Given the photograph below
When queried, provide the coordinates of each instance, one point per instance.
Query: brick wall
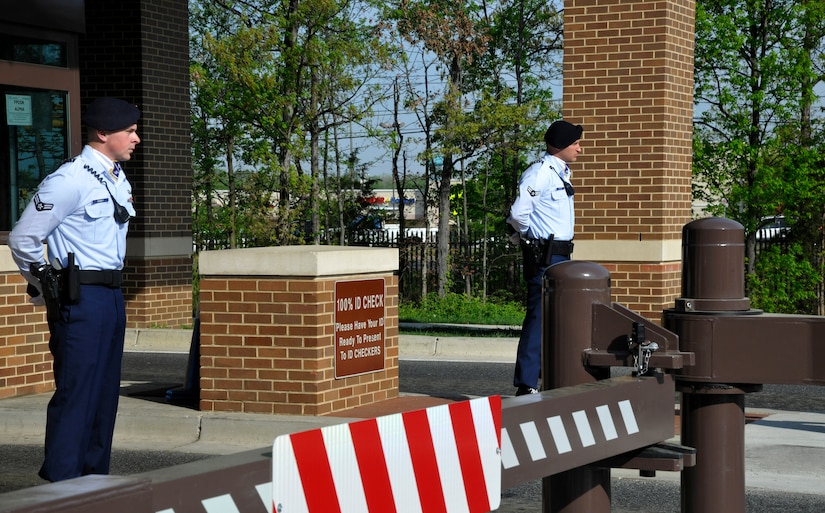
(138, 50)
(647, 289)
(158, 292)
(25, 363)
(267, 341)
(267, 347)
(628, 78)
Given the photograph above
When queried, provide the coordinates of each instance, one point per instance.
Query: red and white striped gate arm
(441, 459)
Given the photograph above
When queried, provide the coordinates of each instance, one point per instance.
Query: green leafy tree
(756, 145)
(793, 290)
(450, 31)
(482, 112)
(271, 78)
(216, 127)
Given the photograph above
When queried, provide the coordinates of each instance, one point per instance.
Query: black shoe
(523, 390)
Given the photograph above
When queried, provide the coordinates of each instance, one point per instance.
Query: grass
(459, 309)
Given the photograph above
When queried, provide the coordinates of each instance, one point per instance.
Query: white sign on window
(18, 110)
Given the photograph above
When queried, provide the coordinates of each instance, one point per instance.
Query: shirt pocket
(558, 194)
(99, 213)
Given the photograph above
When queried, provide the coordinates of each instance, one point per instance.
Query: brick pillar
(628, 79)
(269, 339)
(138, 50)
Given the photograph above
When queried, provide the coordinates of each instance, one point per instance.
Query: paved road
(159, 371)
(464, 379)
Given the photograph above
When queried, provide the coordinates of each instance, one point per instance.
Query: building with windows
(55, 57)
(387, 200)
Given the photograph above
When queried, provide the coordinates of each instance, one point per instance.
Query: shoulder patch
(40, 206)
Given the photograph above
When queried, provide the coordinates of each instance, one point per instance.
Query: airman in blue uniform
(75, 229)
(542, 221)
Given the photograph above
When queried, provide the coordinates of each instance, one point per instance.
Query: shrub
(784, 281)
(459, 309)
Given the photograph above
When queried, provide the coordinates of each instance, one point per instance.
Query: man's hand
(513, 235)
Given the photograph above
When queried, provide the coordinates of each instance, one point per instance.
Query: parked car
(773, 228)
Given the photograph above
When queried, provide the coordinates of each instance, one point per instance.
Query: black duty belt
(107, 278)
(562, 247)
(556, 247)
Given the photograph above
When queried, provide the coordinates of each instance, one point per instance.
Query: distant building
(389, 201)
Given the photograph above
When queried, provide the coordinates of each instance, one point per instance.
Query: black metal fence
(782, 240)
(478, 265)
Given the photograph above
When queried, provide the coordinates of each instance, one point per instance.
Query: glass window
(32, 51)
(35, 124)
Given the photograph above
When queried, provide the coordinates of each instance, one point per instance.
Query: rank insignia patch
(40, 206)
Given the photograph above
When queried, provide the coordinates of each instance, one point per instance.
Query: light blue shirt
(72, 212)
(543, 207)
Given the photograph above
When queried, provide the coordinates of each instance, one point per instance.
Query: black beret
(562, 134)
(110, 114)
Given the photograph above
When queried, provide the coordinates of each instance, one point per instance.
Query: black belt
(556, 247)
(562, 247)
(107, 278)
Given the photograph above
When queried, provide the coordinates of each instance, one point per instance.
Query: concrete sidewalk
(785, 451)
(147, 424)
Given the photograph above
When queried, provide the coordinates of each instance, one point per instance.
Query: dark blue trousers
(528, 354)
(87, 346)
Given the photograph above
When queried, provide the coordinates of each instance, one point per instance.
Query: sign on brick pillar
(359, 326)
(269, 341)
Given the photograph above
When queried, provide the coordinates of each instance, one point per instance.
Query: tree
(480, 47)
(276, 85)
(287, 72)
(754, 79)
(515, 104)
(448, 30)
(216, 125)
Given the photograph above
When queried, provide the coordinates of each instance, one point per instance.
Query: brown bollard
(712, 414)
(713, 423)
(570, 289)
(713, 266)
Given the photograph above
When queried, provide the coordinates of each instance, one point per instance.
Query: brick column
(268, 329)
(138, 50)
(628, 79)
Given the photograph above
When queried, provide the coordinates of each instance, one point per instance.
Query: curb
(462, 348)
(488, 349)
(160, 339)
